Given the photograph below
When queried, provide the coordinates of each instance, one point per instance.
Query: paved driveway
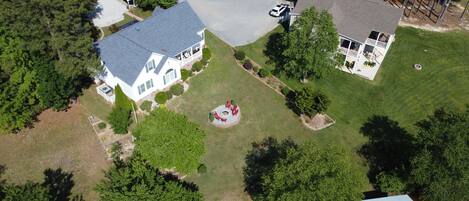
(109, 12)
(237, 22)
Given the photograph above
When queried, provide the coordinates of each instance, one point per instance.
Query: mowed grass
(58, 140)
(263, 114)
(399, 91)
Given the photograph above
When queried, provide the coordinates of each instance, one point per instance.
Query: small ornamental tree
(120, 116)
(138, 179)
(310, 47)
(170, 140)
(310, 102)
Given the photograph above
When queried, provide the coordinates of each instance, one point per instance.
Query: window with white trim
(141, 89)
(149, 84)
(150, 65)
(195, 48)
(169, 76)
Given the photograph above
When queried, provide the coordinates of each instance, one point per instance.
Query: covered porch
(364, 59)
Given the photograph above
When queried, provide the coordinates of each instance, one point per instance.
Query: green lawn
(141, 13)
(263, 114)
(126, 20)
(398, 91)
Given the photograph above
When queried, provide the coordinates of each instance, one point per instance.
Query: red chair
(228, 104)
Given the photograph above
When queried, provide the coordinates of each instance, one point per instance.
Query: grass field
(58, 140)
(263, 114)
(398, 91)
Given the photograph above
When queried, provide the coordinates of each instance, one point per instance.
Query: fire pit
(226, 115)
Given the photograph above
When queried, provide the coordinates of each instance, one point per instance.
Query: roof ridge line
(141, 46)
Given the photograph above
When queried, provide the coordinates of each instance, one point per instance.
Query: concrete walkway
(237, 22)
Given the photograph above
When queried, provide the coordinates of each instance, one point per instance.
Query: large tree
(18, 97)
(311, 173)
(170, 140)
(441, 165)
(55, 43)
(310, 45)
(137, 179)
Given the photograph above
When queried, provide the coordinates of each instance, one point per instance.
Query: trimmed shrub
(197, 66)
(146, 106)
(177, 89)
(239, 55)
(255, 69)
(211, 117)
(248, 64)
(113, 28)
(102, 125)
(202, 169)
(206, 55)
(119, 118)
(263, 72)
(162, 97)
(309, 102)
(185, 74)
(285, 91)
(169, 95)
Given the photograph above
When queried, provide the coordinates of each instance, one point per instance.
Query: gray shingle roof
(356, 18)
(167, 32)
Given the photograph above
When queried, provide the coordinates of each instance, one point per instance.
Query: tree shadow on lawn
(390, 147)
(273, 50)
(60, 183)
(261, 159)
(187, 185)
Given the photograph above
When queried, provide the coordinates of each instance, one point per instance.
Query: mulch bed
(318, 122)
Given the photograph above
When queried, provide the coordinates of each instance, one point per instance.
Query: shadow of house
(389, 149)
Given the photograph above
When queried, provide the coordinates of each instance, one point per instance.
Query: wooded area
(46, 57)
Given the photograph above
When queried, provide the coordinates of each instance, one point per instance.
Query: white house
(366, 29)
(148, 56)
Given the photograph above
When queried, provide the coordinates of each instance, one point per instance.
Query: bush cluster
(197, 66)
(239, 55)
(185, 74)
(248, 64)
(206, 55)
(102, 125)
(162, 97)
(146, 106)
(177, 89)
(285, 91)
(310, 102)
(263, 72)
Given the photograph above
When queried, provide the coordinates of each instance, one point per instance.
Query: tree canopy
(47, 53)
(310, 47)
(441, 165)
(151, 4)
(170, 140)
(137, 179)
(305, 172)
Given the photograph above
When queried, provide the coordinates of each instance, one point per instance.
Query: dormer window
(150, 65)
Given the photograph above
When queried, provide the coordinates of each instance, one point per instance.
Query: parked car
(278, 10)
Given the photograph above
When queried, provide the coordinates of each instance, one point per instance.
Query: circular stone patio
(225, 117)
